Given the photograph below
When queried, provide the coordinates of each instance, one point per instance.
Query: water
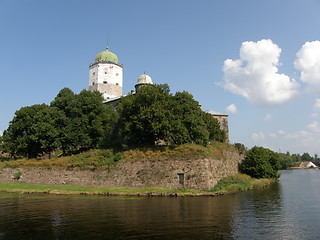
(287, 210)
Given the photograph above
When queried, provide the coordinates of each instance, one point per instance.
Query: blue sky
(258, 61)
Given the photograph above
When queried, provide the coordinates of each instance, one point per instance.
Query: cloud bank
(255, 75)
(295, 142)
(308, 63)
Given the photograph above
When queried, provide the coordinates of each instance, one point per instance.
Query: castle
(106, 77)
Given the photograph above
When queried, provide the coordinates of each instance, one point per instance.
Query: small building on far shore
(306, 165)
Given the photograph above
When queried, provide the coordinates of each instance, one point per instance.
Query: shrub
(17, 175)
(261, 163)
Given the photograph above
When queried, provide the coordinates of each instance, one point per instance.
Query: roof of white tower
(107, 56)
(144, 79)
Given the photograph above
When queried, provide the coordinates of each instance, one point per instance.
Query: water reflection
(53, 217)
(258, 214)
(288, 210)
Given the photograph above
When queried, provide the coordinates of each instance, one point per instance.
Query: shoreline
(23, 188)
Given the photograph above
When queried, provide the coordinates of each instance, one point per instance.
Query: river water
(289, 209)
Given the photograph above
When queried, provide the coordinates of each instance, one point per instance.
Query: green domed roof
(107, 56)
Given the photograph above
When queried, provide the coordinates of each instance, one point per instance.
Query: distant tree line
(261, 162)
(76, 122)
(288, 160)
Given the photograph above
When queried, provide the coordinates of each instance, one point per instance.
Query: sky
(258, 61)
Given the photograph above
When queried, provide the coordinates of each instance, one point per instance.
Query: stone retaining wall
(197, 174)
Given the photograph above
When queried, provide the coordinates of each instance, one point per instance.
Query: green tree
(306, 157)
(241, 148)
(286, 160)
(260, 162)
(213, 126)
(19, 139)
(296, 157)
(46, 129)
(144, 117)
(155, 115)
(89, 122)
(187, 110)
(98, 119)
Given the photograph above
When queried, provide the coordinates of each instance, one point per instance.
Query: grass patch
(91, 159)
(181, 152)
(96, 190)
(240, 182)
(232, 184)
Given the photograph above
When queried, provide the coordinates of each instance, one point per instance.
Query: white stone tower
(105, 75)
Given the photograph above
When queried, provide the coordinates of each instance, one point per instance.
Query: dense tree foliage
(77, 122)
(71, 123)
(88, 123)
(260, 162)
(20, 136)
(154, 115)
(241, 148)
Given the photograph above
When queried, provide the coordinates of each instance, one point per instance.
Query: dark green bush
(261, 163)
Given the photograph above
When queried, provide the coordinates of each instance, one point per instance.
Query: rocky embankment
(195, 174)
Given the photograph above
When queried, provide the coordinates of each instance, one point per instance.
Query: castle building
(106, 75)
(143, 80)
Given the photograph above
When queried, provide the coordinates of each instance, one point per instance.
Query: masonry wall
(224, 125)
(198, 173)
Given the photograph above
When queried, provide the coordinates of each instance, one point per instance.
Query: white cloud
(314, 127)
(278, 133)
(260, 136)
(316, 108)
(232, 108)
(273, 135)
(281, 132)
(1, 133)
(255, 75)
(308, 63)
(267, 117)
(296, 135)
(301, 141)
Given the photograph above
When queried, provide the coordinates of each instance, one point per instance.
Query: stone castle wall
(197, 174)
(224, 125)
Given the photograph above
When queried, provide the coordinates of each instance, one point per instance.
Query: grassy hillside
(106, 158)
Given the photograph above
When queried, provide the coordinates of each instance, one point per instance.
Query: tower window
(117, 84)
(105, 72)
(93, 73)
(92, 83)
(105, 82)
